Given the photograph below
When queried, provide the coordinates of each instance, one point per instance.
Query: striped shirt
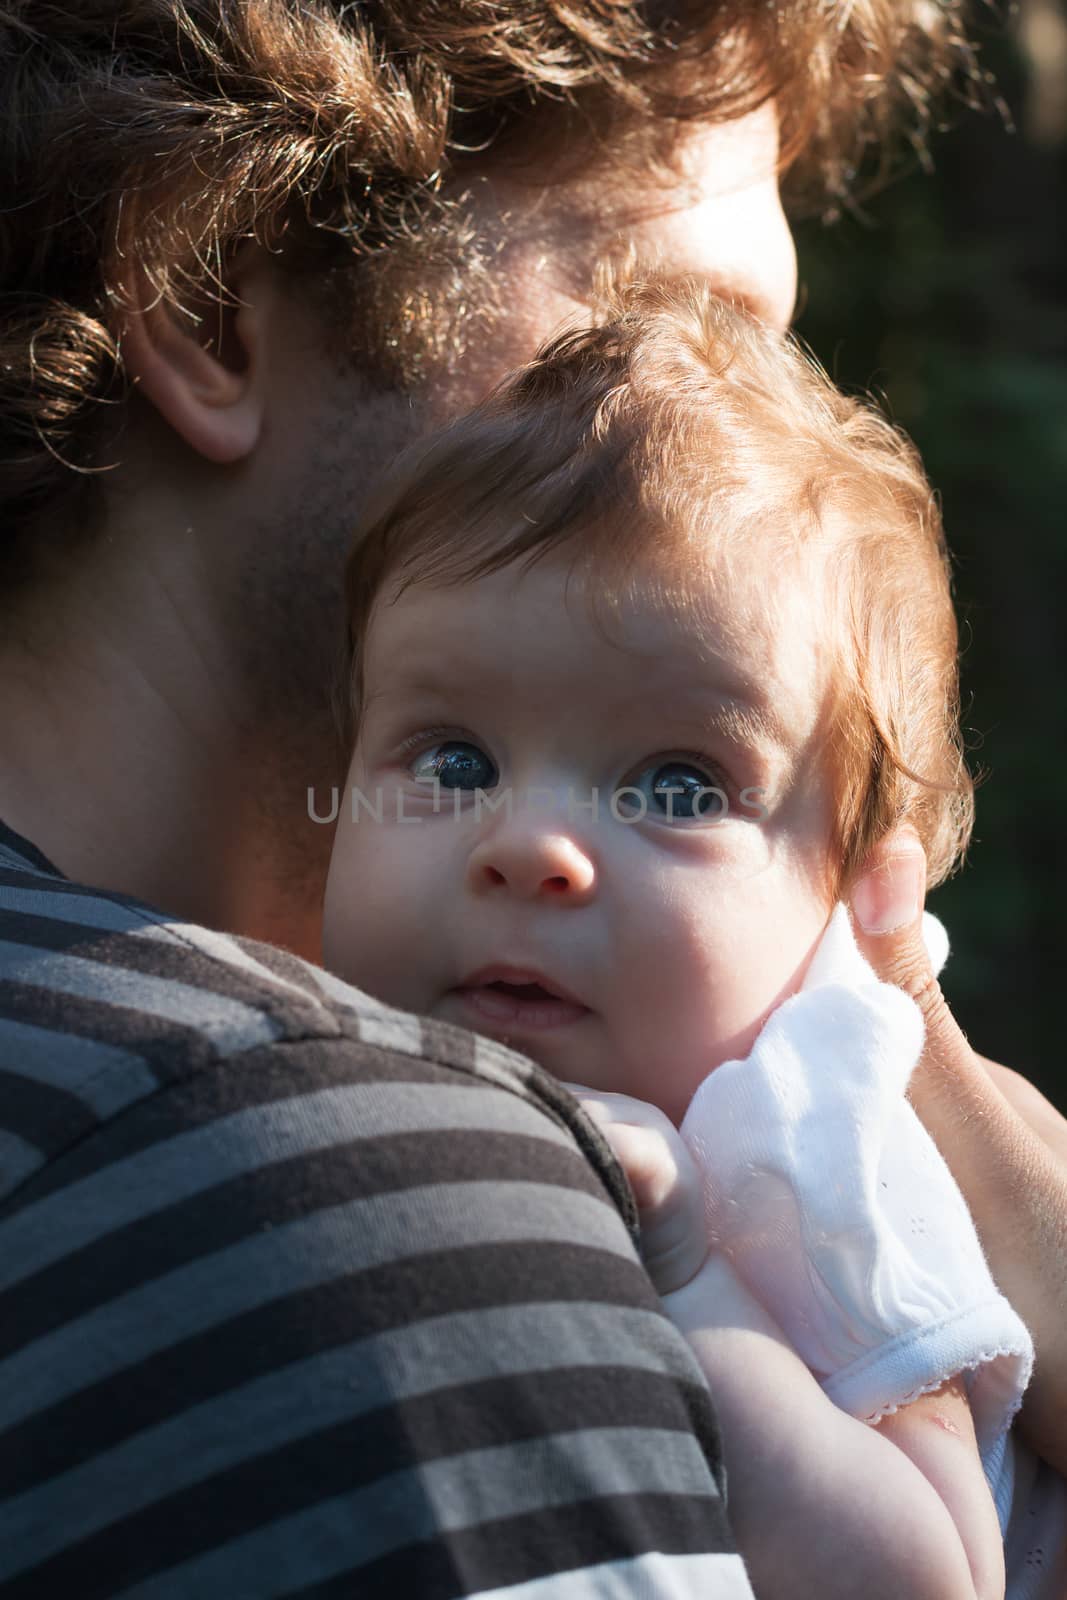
(301, 1295)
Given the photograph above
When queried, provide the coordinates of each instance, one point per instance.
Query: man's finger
(1013, 1181)
(950, 1089)
(886, 905)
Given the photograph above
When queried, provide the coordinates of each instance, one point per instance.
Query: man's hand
(665, 1183)
(1007, 1149)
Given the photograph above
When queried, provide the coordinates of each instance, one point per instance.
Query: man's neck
(132, 759)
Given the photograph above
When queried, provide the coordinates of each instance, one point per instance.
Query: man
(300, 1295)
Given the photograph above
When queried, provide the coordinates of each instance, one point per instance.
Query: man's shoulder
(104, 1001)
(123, 975)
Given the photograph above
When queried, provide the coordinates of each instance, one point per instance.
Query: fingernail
(891, 896)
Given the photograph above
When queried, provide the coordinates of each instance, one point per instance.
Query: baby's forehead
(731, 647)
(746, 643)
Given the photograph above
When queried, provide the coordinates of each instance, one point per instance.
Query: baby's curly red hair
(672, 438)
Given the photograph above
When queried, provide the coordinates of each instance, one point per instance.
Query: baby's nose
(532, 862)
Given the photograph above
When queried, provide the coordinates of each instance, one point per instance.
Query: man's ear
(206, 377)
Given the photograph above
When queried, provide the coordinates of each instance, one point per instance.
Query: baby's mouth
(521, 991)
(519, 1000)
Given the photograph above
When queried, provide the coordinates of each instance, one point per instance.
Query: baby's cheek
(343, 909)
(678, 1009)
(715, 965)
(368, 912)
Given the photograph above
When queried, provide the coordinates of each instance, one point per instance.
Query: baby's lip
(519, 978)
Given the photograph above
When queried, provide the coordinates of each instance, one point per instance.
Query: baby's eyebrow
(740, 721)
(749, 720)
(422, 687)
(744, 722)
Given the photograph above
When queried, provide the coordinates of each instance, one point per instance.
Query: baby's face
(629, 941)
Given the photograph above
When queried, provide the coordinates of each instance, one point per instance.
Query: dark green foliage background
(947, 298)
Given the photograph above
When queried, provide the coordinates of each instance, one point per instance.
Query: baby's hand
(665, 1182)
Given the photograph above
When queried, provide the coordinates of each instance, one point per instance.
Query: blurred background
(947, 296)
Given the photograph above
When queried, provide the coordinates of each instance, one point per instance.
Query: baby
(645, 654)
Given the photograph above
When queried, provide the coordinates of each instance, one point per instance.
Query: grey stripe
(378, 1023)
(176, 1169)
(654, 1576)
(390, 1030)
(129, 1330)
(500, 1064)
(458, 1492)
(106, 1078)
(230, 1024)
(307, 1397)
(18, 1159)
(106, 916)
(84, 911)
(110, 916)
(11, 858)
(222, 948)
(294, 1258)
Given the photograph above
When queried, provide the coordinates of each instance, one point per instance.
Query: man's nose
(532, 860)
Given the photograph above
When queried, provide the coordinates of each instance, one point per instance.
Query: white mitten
(839, 1212)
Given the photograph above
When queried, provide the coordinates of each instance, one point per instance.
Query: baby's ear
(203, 368)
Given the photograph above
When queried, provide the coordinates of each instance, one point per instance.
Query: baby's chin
(585, 1051)
(670, 1086)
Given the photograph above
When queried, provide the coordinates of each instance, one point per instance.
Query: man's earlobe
(204, 380)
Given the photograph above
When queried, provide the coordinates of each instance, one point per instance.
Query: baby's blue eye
(456, 765)
(677, 791)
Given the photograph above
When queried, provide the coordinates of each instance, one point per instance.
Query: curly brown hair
(167, 131)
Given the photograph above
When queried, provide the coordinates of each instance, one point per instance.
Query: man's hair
(677, 439)
(157, 134)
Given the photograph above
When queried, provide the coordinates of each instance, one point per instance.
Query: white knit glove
(837, 1209)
